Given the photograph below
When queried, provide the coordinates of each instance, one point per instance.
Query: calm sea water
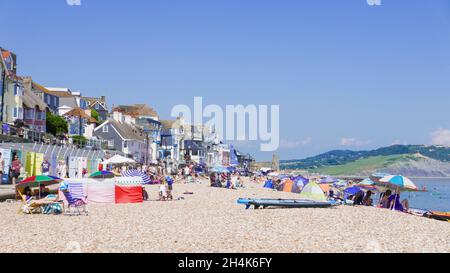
(437, 196)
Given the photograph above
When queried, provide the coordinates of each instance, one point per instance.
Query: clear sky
(345, 74)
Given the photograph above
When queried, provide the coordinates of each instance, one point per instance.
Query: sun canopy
(398, 182)
(36, 181)
(118, 159)
(102, 174)
(313, 192)
(135, 173)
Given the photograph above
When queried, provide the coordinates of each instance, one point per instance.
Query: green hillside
(361, 165)
(343, 157)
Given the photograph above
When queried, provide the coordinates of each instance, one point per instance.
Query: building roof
(170, 124)
(58, 89)
(78, 112)
(128, 131)
(136, 110)
(30, 100)
(60, 94)
(40, 87)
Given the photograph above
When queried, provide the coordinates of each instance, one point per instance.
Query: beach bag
(52, 209)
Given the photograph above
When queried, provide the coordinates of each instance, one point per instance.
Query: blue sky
(345, 74)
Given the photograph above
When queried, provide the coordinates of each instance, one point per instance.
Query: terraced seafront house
(11, 89)
(172, 134)
(99, 105)
(35, 110)
(121, 134)
(46, 96)
(146, 118)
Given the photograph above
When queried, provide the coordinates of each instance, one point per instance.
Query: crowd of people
(226, 180)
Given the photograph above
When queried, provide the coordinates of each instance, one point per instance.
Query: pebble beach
(210, 220)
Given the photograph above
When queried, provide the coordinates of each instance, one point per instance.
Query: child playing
(162, 192)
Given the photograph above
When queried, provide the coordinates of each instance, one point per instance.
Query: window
(111, 143)
(15, 112)
(105, 129)
(125, 144)
(97, 106)
(20, 113)
(29, 114)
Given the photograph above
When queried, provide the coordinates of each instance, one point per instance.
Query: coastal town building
(35, 110)
(172, 134)
(51, 100)
(80, 122)
(99, 105)
(12, 90)
(122, 135)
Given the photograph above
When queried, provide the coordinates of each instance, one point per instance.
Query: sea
(436, 197)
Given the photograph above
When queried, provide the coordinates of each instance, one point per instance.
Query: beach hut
(313, 192)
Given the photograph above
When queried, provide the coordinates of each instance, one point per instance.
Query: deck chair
(27, 207)
(77, 204)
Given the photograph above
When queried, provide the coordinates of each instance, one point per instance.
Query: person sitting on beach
(43, 192)
(395, 203)
(144, 194)
(331, 194)
(212, 179)
(27, 195)
(358, 199)
(368, 201)
(384, 199)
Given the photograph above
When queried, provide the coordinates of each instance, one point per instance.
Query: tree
(56, 125)
(80, 141)
(95, 115)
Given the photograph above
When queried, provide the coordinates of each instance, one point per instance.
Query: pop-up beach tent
(313, 192)
(289, 186)
(269, 184)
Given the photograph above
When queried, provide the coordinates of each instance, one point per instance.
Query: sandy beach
(211, 221)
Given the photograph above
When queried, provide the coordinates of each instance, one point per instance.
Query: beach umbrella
(328, 180)
(36, 181)
(367, 184)
(377, 176)
(102, 174)
(220, 169)
(341, 183)
(352, 190)
(135, 173)
(398, 182)
(313, 192)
